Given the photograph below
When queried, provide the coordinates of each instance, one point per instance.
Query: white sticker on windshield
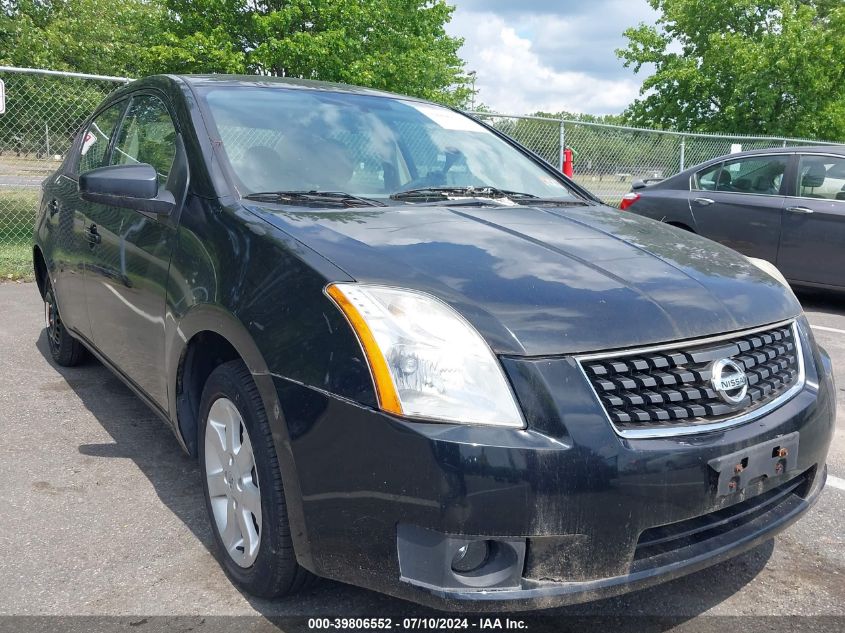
(447, 119)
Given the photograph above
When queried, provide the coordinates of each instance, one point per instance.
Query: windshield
(309, 140)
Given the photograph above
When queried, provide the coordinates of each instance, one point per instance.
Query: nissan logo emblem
(729, 381)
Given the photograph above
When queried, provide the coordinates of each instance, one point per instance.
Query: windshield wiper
(440, 194)
(435, 194)
(314, 198)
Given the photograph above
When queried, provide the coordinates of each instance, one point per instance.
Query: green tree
(608, 119)
(742, 66)
(398, 45)
(90, 36)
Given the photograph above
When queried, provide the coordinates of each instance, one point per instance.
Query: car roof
(261, 81)
(798, 149)
(802, 149)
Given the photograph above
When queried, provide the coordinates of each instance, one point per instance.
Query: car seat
(814, 177)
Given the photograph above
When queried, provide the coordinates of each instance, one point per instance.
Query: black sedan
(411, 356)
(786, 206)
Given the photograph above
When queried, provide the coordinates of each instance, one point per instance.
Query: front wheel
(65, 350)
(243, 487)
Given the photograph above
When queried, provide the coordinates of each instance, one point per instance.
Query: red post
(568, 169)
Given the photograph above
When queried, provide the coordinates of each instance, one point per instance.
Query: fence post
(47, 137)
(561, 156)
(683, 152)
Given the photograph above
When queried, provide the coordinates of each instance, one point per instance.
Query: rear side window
(759, 175)
(95, 141)
(821, 177)
(705, 180)
(147, 135)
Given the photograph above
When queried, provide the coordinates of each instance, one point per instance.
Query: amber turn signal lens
(388, 399)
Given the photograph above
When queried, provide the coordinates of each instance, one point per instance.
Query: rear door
(70, 247)
(739, 203)
(813, 240)
(126, 282)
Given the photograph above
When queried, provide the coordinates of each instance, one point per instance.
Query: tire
(65, 350)
(230, 397)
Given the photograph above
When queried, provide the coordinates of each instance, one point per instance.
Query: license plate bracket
(772, 458)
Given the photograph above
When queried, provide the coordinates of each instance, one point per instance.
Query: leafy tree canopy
(89, 36)
(744, 66)
(398, 45)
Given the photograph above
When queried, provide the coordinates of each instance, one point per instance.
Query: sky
(549, 55)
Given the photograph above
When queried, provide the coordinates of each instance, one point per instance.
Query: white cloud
(551, 60)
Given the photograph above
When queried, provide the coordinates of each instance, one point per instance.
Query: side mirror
(127, 186)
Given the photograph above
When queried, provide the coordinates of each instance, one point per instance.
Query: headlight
(769, 268)
(426, 360)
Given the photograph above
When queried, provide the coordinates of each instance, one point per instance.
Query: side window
(821, 177)
(95, 141)
(705, 180)
(763, 175)
(146, 136)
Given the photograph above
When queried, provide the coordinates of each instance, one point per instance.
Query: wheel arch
(205, 337)
(39, 265)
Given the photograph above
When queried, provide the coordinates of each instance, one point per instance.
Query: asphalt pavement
(102, 513)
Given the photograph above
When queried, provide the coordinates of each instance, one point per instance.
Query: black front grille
(671, 388)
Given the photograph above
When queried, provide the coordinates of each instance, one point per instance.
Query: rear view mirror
(127, 186)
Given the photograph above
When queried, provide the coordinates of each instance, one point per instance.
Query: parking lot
(103, 514)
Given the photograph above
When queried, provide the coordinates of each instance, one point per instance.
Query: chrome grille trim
(658, 431)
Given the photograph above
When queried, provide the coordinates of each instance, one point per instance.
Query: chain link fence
(45, 109)
(608, 157)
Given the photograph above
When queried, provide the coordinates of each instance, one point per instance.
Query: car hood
(548, 281)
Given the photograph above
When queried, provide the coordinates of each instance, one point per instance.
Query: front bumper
(582, 500)
(755, 526)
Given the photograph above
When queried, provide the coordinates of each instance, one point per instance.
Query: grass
(17, 217)
(609, 188)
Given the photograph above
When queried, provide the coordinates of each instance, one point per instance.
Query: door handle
(803, 210)
(93, 236)
(704, 202)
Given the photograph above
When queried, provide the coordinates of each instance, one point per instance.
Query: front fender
(235, 275)
(216, 319)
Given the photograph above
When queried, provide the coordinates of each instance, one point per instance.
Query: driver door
(126, 281)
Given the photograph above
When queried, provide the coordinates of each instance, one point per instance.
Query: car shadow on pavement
(138, 434)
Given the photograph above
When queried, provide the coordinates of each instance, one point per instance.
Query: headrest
(814, 176)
